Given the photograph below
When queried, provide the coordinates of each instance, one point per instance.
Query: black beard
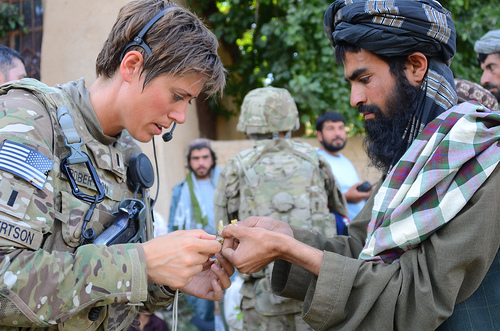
(208, 173)
(384, 142)
(332, 148)
(495, 94)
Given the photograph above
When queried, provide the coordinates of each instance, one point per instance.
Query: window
(28, 44)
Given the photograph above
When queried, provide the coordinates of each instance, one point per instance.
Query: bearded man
(488, 57)
(332, 135)
(192, 207)
(192, 204)
(423, 254)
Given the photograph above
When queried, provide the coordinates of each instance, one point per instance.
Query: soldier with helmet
(278, 177)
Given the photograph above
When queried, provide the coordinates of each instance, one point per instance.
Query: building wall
(74, 32)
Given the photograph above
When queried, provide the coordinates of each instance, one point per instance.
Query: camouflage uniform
(48, 279)
(281, 178)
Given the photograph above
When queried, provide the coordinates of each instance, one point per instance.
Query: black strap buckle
(99, 197)
(88, 235)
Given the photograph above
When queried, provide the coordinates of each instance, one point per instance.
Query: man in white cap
(488, 56)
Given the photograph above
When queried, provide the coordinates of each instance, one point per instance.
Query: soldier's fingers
(199, 245)
(198, 233)
(209, 247)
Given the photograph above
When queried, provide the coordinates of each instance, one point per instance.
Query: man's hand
(267, 223)
(354, 196)
(210, 283)
(175, 258)
(252, 244)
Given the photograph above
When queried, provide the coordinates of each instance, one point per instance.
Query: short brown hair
(180, 43)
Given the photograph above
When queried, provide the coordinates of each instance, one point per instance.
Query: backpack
(281, 178)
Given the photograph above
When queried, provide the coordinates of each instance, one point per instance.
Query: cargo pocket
(81, 321)
(72, 214)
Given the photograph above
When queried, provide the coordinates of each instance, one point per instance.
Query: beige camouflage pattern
(54, 284)
(233, 199)
(268, 110)
(289, 181)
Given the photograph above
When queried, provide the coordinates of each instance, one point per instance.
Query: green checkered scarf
(436, 177)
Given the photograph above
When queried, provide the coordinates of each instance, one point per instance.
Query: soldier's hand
(175, 258)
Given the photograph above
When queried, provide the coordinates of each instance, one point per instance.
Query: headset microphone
(169, 135)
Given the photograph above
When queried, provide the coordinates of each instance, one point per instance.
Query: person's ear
(131, 65)
(416, 68)
(319, 135)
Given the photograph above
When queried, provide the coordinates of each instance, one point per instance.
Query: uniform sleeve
(336, 200)
(41, 288)
(226, 195)
(417, 292)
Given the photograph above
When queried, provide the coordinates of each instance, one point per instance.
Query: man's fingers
(229, 231)
(217, 290)
(249, 222)
(223, 276)
(225, 264)
(228, 253)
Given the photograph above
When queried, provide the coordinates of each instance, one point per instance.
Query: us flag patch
(25, 162)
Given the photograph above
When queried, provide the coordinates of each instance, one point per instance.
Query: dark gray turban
(393, 28)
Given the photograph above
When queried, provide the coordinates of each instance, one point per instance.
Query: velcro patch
(25, 162)
(20, 234)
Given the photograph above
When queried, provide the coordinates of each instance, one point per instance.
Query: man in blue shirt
(330, 129)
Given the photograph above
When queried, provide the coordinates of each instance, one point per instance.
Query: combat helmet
(268, 110)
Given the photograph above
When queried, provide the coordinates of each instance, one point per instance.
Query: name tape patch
(20, 234)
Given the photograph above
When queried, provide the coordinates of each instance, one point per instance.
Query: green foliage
(239, 316)
(472, 18)
(10, 19)
(283, 43)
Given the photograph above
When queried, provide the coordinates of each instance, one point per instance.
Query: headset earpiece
(140, 173)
